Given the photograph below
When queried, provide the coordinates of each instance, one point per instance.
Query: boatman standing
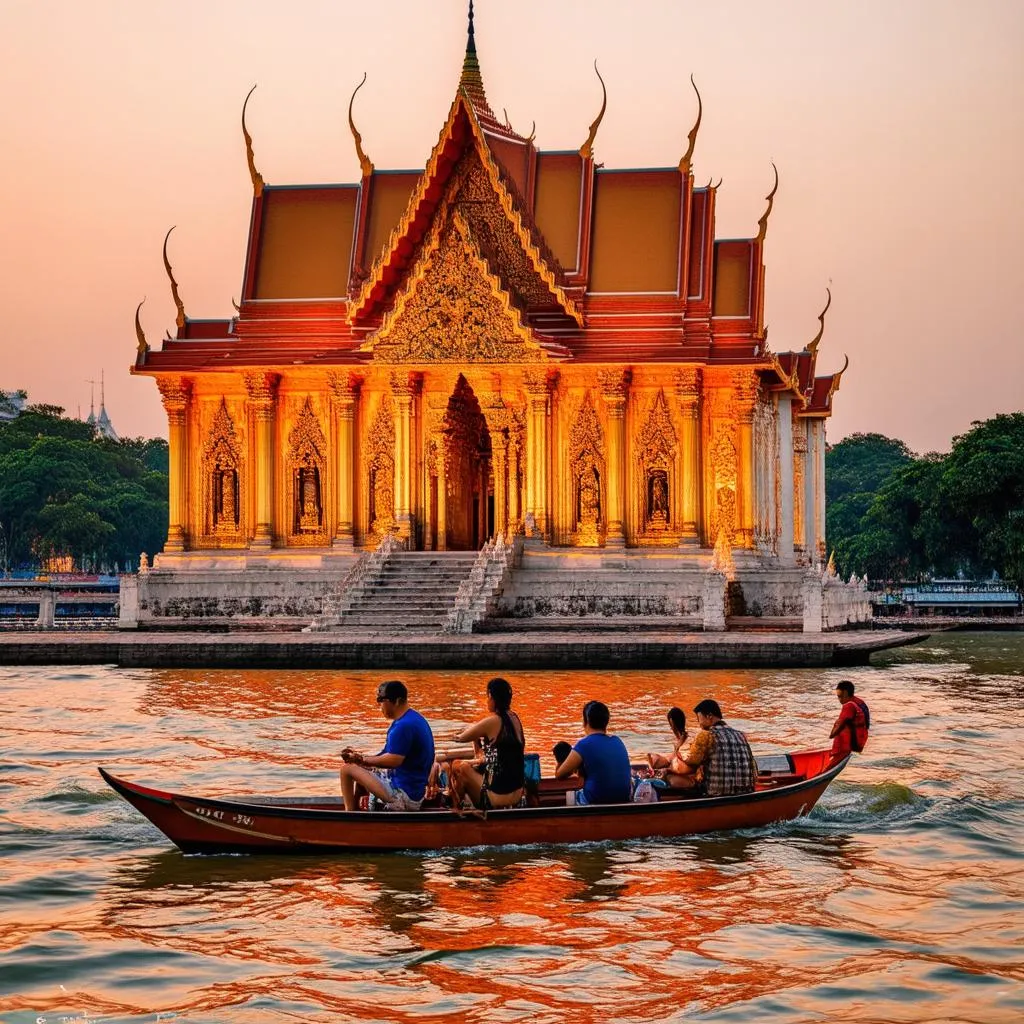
(850, 733)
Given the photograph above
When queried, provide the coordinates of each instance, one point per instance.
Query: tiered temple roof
(601, 266)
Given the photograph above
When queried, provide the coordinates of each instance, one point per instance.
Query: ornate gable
(453, 309)
(462, 172)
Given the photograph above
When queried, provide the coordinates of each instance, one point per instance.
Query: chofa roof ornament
(257, 178)
(812, 346)
(762, 224)
(684, 164)
(365, 163)
(587, 149)
(180, 319)
(140, 334)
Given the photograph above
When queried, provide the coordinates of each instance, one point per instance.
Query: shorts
(396, 800)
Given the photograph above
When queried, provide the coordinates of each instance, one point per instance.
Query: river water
(898, 899)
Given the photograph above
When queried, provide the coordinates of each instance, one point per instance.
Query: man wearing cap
(407, 757)
(720, 756)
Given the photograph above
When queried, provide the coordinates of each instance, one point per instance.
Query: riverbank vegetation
(69, 497)
(897, 516)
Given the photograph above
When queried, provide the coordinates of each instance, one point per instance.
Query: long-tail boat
(788, 786)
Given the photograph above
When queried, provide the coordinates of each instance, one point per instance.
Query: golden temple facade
(510, 340)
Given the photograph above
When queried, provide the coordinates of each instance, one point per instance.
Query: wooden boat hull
(317, 825)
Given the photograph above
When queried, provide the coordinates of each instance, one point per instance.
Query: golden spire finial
(365, 163)
(762, 224)
(587, 149)
(813, 345)
(143, 349)
(684, 164)
(180, 321)
(257, 178)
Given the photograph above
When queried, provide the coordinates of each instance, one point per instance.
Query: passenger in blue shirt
(408, 757)
(600, 760)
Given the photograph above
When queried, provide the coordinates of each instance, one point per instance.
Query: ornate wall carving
(723, 457)
(306, 474)
(380, 471)
(222, 483)
(656, 481)
(455, 311)
(588, 476)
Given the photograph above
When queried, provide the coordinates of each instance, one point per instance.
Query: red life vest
(859, 725)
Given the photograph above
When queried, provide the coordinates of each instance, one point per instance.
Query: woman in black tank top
(496, 779)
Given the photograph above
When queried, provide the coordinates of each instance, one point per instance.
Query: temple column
(402, 390)
(784, 427)
(746, 385)
(343, 396)
(614, 389)
(499, 445)
(514, 481)
(818, 428)
(808, 540)
(442, 496)
(538, 390)
(799, 485)
(262, 389)
(175, 393)
(688, 385)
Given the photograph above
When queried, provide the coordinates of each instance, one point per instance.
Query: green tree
(856, 469)
(64, 491)
(984, 482)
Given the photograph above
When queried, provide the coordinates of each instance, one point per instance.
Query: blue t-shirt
(411, 737)
(606, 775)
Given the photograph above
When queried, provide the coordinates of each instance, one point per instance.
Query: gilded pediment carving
(453, 310)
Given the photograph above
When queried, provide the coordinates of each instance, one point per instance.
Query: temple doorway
(467, 471)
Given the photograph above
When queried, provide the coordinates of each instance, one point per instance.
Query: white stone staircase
(412, 592)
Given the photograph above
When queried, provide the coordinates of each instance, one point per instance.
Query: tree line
(894, 515)
(68, 495)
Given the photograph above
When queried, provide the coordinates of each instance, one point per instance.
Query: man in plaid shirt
(719, 756)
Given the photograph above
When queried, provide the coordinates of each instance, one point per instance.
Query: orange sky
(898, 130)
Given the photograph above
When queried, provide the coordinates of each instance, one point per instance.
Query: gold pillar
(442, 495)
(614, 388)
(746, 385)
(514, 483)
(262, 389)
(500, 454)
(538, 390)
(688, 385)
(175, 393)
(799, 483)
(402, 388)
(344, 391)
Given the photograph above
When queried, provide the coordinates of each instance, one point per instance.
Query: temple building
(509, 342)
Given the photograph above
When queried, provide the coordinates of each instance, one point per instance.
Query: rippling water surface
(898, 899)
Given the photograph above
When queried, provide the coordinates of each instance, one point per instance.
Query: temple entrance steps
(414, 593)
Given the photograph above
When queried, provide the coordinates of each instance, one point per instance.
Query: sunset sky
(897, 128)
